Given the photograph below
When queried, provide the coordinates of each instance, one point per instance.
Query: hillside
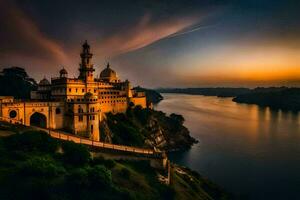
(218, 91)
(35, 166)
(276, 98)
(146, 128)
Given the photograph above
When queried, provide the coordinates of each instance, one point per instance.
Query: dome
(108, 74)
(44, 81)
(63, 71)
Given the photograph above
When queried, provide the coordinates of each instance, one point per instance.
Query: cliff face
(146, 128)
(106, 134)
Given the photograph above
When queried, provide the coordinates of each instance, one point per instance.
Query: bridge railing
(93, 143)
(77, 139)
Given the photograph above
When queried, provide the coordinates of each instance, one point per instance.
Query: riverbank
(247, 149)
(283, 98)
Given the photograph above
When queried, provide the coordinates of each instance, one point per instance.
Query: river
(252, 152)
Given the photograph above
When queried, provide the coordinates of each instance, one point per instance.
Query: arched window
(57, 111)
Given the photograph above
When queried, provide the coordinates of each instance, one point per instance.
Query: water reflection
(249, 150)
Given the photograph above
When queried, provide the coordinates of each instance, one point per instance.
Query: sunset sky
(167, 43)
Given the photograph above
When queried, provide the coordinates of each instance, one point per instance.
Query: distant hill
(152, 95)
(277, 98)
(218, 91)
(14, 81)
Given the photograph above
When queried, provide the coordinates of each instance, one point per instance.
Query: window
(70, 90)
(12, 114)
(57, 111)
(82, 90)
(80, 118)
(80, 110)
(76, 90)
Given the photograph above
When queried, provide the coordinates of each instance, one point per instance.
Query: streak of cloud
(21, 37)
(143, 34)
(191, 30)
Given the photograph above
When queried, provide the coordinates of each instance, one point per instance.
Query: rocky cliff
(146, 128)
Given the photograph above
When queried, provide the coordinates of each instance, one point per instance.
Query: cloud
(142, 34)
(21, 37)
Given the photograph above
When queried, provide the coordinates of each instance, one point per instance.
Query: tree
(75, 154)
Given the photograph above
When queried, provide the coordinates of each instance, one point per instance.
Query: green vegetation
(143, 127)
(35, 166)
(14, 81)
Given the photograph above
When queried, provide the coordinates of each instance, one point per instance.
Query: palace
(75, 105)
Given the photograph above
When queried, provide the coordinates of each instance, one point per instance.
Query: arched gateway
(38, 119)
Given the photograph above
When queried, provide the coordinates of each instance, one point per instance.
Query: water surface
(252, 152)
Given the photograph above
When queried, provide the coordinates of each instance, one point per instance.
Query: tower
(128, 88)
(86, 67)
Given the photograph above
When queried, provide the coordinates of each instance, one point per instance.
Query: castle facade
(76, 105)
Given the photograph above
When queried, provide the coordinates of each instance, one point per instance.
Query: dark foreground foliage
(14, 81)
(35, 166)
(31, 167)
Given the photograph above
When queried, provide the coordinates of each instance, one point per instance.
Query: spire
(86, 67)
(107, 66)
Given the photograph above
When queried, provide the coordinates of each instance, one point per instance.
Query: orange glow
(240, 64)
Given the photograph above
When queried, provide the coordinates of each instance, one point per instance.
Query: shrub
(78, 178)
(31, 141)
(166, 192)
(125, 173)
(100, 176)
(75, 154)
(177, 118)
(40, 166)
(100, 160)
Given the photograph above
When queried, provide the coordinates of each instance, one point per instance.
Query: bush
(167, 192)
(78, 178)
(100, 160)
(75, 154)
(100, 176)
(177, 118)
(31, 141)
(141, 114)
(125, 173)
(40, 166)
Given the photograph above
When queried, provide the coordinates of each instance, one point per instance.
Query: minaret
(86, 67)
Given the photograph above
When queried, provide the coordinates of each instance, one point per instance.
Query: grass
(31, 167)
